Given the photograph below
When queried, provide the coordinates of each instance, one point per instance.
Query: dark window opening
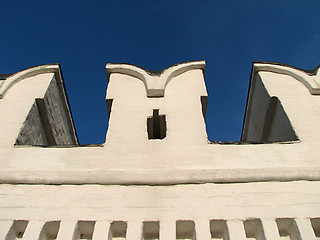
(185, 230)
(315, 222)
(219, 229)
(287, 228)
(50, 230)
(151, 230)
(17, 229)
(85, 230)
(253, 229)
(156, 126)
(118, 230)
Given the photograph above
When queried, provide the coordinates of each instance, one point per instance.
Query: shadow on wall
(265, 119)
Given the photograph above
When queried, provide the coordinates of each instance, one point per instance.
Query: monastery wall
(157, 176)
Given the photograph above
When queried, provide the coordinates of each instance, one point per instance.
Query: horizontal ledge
(158, 177)
(209, 142)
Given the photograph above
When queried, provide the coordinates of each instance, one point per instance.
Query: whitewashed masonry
(157, 176)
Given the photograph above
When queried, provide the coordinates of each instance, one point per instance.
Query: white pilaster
(5, 227)
(305, 228)
(101, 230)
(33, 230)
(270, 229)
(236, 230)
(68, 229)
(167, 229)
(202, 229)
(134, 231)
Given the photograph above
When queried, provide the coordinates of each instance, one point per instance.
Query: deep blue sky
(84, 35)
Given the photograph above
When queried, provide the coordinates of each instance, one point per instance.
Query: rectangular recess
(315, 222)
(219, 229)
(85, 229)
(45, 121)
(151, 230)
(156, 126)
(254, 229)
(288, 229)
(118, 230)
(185, 229)
(17, 230)
(50, 230)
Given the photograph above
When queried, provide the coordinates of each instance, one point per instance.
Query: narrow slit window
(156, 126)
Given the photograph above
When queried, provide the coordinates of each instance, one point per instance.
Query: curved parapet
(311, 79)
(155, 82)
(30, 72)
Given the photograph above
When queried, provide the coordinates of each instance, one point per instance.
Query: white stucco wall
(129, 157)
(234, 203)
(181, 105)
(253, 189)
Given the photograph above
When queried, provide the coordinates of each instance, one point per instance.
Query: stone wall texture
(32, 132)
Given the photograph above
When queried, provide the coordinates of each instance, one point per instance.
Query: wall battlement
(157, 176)
(151, 116)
